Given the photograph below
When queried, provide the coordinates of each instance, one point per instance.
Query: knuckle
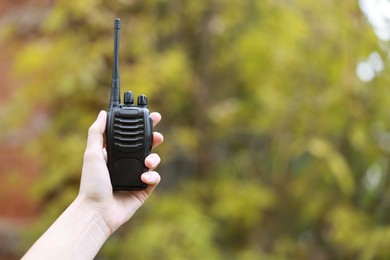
(90, 156)
(92, 130)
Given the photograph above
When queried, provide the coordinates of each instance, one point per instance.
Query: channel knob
(142, 101)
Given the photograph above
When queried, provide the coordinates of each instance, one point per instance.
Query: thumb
(95, 134)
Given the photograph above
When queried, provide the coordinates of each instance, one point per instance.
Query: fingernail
(155, 161)
(147, 177)
(100, 114)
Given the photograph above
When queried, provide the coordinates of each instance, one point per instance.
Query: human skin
(80, 231)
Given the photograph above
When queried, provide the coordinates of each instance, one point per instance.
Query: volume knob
(142, 101)
(128, 98)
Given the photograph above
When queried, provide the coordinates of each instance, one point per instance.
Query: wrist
(78, 233)
(91, 213)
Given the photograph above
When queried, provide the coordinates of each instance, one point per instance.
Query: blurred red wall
(18, 170)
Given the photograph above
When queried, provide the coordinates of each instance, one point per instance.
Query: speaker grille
(128, 131)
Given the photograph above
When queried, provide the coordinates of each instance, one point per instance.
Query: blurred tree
(273, 147)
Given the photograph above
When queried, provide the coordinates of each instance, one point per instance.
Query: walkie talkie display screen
(128, 132)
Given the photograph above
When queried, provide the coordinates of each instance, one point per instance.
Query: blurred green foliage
(273, 148)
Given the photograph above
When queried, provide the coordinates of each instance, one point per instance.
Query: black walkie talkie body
(129, 132)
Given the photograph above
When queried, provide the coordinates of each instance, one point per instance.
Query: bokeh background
(276, 117)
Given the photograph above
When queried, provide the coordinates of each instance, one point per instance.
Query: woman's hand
(95, 188)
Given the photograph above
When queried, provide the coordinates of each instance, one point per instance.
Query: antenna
(115, 99)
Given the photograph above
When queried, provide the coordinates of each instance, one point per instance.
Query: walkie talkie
(129, 132)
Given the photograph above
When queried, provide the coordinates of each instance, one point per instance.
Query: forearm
(85, 225)
(78, 233)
